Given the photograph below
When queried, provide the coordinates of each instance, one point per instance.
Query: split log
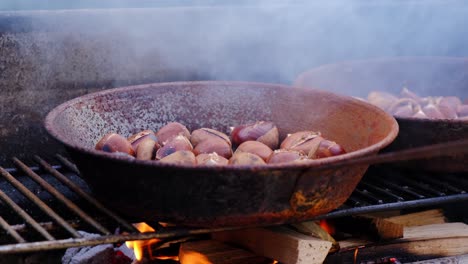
(215, 252)
(418, 243)
(373, 228)
(311, 228)
(278, 243)
(429, 217)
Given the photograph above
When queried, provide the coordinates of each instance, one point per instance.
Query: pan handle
(313, 184)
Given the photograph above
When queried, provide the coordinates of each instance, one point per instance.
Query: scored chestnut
(171, 130)
(175, 144)
(211, 159)
(146, 149)
(286, 156)
(302, 141)
(255, 147)
(114, 142)
(327, 148)
(262, 131)
(462, 110)
(245, 158)
(180, 157)
(202, 134)
(136, 138)
(381, 99)
(215, 144)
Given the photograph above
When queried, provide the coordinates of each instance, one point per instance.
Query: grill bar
(12, 232)
(44, 207)
(109, 239)
(395, 206)
(82, 193)
(72, 206)
(67, 164)
(378, 191)
(25, 216)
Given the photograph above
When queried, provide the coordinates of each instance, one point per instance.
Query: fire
(328, 227)
(139, 246)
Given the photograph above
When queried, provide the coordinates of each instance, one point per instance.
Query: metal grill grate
(54, 193)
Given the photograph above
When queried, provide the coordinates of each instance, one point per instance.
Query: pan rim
(313, 164)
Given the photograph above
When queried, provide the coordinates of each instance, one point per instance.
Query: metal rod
(68, 164)
(72, 206)
(26, 217)
(395, 206)
(11, 231)
(44, 207)
(92, 241)
(84, 195)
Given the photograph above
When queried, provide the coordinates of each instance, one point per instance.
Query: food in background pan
(409, 104)
(250, 144)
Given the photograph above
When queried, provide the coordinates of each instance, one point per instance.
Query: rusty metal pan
(227, 195)
(426, 76)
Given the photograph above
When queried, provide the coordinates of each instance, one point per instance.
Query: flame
(194, 258)
(139, 246)
(328, 227)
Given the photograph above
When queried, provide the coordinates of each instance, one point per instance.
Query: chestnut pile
(409, 104)
(250, 144)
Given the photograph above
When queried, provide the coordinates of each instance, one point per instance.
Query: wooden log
(429, 217)
(373, 228)
(278, 243)
(311, 228)
(418, 243)
(215, 252)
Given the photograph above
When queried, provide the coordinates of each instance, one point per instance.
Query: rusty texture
(427, 76)
(218, 196)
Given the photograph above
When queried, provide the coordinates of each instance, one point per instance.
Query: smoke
(260, 41)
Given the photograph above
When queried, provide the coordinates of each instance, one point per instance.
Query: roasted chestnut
(245, 158)
(412, 105)
(432, 111)
(202, 134)
(381, 99)
(214, 144)
(171, 130)
(462, 110)
(302, 141)
(326, 149)
(180, 157)
(286, 156)
(255, 147)
(113, 142)
(175, 144)
(405, 107)
(135, 139)
(146, 149)
(406, 93)
(211, 159)
(263, 131)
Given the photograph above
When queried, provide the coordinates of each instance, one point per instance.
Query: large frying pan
(221, 196)
(427, 76)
